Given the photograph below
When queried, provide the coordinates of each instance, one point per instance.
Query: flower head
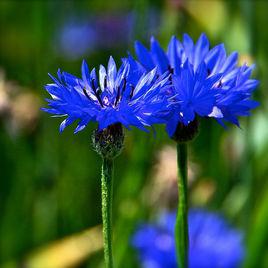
(194, 94)
(127, 96)
(213, 243)
(229, 96)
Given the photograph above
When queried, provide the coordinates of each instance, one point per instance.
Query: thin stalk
(181, 227)
(107, 194)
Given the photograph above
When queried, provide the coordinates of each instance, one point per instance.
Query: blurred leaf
(258, 234)
(67, 252)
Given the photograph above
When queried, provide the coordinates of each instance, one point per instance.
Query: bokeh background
(49, 182)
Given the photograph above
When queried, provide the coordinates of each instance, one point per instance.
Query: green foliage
(50, 182)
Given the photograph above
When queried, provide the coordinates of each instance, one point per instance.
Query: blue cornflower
(128, 96)
(194, 94)
(232, 83)
(213, 243)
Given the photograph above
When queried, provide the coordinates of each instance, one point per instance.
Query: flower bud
(186, 133)
(109, 141)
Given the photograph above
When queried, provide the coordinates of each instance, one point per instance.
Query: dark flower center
(186, 133)
(96, 91)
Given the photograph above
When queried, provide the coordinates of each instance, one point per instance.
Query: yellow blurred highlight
(210, 14)
(245, 59)
(68, 252)
(202, 192)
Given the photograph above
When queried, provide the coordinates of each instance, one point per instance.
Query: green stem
(107, 194)
(181, 227)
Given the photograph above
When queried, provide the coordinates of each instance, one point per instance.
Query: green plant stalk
(107, 196)
(181, 227)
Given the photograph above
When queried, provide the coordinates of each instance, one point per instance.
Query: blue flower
(213, 243)
(232, 83)
(194, 94)
(234, 97)
(128, 96)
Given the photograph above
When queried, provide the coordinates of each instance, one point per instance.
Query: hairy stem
(181, 227)
(107, 194)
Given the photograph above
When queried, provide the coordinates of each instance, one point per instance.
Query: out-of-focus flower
(82, 35)
(76, 39)
(6, 90)
(19, 107)
(213, 243)
(162, 191)
(206, 81)
(114, 30)
(121, 96)
(25, 112)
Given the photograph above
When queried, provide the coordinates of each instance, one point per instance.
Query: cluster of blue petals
(160, 87)
(213, 243)
(206, 81)
(128, 96)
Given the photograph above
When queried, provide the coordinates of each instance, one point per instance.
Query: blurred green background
(50, 183)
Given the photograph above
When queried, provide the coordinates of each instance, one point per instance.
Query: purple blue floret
(212, 242)
(232, 88)
(129, 96)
